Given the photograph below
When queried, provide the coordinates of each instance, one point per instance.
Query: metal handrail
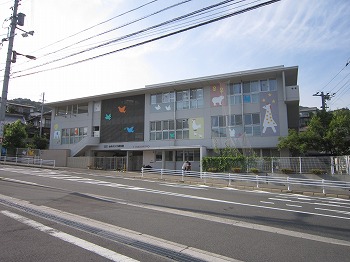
(256, 179)
(28, 161)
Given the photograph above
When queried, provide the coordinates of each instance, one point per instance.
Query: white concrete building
(165, 124)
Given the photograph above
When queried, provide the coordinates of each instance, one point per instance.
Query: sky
(311, 34)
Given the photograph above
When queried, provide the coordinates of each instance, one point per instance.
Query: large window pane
(248, 119)
(264, 86)
(256, 118)
(254, 86)
(238, 119)
(255, 98)
(273, 84)
(214, 121)
(246, 87)
(246, 99)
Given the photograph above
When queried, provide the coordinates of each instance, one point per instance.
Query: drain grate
(177, 256)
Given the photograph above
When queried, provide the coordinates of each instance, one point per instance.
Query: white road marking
(293, 205)
(332, 210)
(104, 252)
(137, 236)
(127, 187)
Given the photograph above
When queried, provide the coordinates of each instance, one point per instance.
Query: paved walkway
(244, 185)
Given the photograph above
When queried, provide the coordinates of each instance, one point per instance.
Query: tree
(338, 133)
(40, 142)
(327, 132)
(15, 136)
(294, 142)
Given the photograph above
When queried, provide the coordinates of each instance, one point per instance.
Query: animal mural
(218, 95)
(268, 119)
(269, 114)
(196, 128)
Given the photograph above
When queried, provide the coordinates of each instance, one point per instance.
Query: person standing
(184, 166)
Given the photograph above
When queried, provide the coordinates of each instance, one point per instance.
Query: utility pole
(41, 117)
(324, 98)
(11, 38)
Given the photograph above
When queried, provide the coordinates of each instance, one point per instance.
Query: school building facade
(165, 124)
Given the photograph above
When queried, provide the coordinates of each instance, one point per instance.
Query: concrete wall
(59, 155)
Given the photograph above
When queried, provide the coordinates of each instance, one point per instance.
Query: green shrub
(287, 171)
(254, 170)
(212, 169)
(318, 171)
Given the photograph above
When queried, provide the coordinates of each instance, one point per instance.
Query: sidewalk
(243, 185)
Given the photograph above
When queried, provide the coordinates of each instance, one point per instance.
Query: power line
(75, 34)
(157, 38)
(192, 14)
(116, 28)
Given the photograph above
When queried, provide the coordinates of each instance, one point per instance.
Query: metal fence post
(257, 181)
(141, 171)
(323, 189)
(229, 179)
(288, 187)
(271, 165)
(332, 165)
(300, 165)
(161, 173)
(182, 175)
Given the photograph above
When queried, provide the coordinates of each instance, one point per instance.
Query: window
(252, 124)
(169, 155)
(72, 109)
(268, 85)
(182, 129)
(187, 99)
(73, 135)
(158, 155)
(235, 93)
(251, 92)
(218, 126)
(162, 130)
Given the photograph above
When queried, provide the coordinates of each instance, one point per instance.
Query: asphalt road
(67, 215)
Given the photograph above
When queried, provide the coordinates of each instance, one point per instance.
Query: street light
(15, 54)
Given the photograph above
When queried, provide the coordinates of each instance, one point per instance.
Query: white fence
(258, 181)
(32, 161)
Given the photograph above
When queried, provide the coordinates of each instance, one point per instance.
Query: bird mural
(157, 107)
(129, 129)
(168, 107)
(108, 116)
(195, 126)
(122, 109)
